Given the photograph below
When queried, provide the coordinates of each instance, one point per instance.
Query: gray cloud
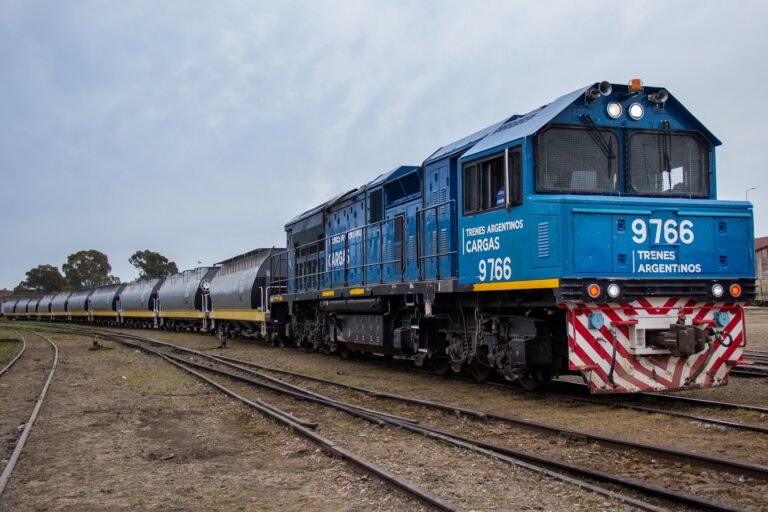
(198, 129)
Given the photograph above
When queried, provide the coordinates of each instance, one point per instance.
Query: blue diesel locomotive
(582, 237)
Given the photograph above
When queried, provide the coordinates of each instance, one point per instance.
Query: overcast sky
(197, 129)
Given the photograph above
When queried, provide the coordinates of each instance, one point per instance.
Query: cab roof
(518, 126)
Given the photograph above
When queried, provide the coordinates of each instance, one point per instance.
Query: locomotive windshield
(577, 160)
(586, 160)
(666, 163)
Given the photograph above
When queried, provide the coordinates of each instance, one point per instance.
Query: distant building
(761, 264)
(5, 293)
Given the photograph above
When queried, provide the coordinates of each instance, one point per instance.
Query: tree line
(86, 269)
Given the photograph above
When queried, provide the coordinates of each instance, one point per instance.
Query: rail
(6, 474)
(16, 358)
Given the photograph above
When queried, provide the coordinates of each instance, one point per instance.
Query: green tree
(43, 278)
(152, 264)
(86, 269)
(21, 289)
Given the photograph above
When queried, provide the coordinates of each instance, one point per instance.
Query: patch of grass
(7, 351)
(139, 501)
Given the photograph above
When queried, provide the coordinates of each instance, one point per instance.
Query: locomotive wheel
(529, 383)
(533, 381)
(344, 352)
(479, 371)
(440, 365)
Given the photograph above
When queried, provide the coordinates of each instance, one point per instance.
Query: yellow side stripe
(248, 315)
(357, 291)
(137, 314)
(181, 313)
(104, 313)
(517, 285)
(328, 293)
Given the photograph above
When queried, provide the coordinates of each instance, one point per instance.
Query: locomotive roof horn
(659, 97)
(602, 89)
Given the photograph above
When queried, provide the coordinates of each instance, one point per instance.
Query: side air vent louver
(443, 241)
(543, 239)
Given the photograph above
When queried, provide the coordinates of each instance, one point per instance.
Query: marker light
(636, 111)
(735, 290)
(593, 291)
(613, 290)
(717, 290)
(614, 110)
(635, 85)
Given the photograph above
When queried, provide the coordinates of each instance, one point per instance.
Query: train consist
(584, 237)
(228, 297)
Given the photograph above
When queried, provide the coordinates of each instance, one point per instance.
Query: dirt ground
(123, 430)
(654, 429)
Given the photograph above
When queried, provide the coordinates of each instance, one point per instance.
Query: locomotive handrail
(310, 252)
(420, 213)
(307, 279)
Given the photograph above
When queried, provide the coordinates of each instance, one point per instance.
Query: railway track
(659, 397)
(375, 417)
(578, 393)
(258, 378)
(758, 370)
(21, 442)
(16, 357)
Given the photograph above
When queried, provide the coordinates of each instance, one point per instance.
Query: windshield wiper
(665, 146)
(605, 146)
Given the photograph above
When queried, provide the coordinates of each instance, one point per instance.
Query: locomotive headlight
(593, 290)
(636, 111)
(614, 110)
(735, 290)
(613, 290)
(717, 290)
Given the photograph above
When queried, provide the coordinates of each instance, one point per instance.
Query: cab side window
(485, 186)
